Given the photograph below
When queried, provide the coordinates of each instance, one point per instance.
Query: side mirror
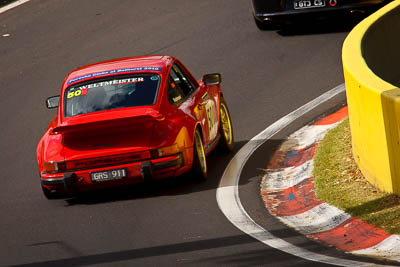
(212, 79)
(52, 102)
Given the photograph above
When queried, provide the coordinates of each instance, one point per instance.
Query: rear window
(112, 93)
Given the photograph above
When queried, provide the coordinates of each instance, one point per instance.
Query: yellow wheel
(199, 157)
(227, 142)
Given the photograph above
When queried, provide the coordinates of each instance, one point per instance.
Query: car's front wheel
(226, 142)
(199, 157)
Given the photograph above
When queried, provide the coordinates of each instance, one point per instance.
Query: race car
(272, 14)
(131, 120)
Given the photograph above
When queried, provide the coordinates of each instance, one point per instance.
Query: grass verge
(340, 183)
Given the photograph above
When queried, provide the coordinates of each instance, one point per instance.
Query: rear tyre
(48, 194)
(265, 25)
(226, 142)
(199, 157)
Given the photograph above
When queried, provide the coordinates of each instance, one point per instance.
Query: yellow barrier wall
(371, 64)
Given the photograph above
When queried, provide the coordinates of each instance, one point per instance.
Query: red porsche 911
(130, 120)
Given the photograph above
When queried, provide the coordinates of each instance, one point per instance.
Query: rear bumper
(290, 15)
(136, 172)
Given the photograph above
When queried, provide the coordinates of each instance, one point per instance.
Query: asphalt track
(266, 75)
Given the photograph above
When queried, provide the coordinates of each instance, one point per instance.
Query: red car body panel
(128, 137)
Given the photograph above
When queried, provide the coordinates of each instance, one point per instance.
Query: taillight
(164, 151)
(54, 166)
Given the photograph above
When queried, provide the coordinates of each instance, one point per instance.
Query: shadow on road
(185, 247)
(327, 25)
(252, 258)
(257, 257)
(184, 184)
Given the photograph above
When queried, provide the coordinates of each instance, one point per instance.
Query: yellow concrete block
(374, 104)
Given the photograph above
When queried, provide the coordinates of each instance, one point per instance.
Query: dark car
(270, 14)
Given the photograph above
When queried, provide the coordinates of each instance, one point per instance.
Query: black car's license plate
(300, 4)
(108, 175)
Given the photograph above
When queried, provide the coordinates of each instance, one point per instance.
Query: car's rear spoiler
(109, 125)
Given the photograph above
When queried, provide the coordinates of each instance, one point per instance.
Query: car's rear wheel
(199, 157)
(265, 25)
(49, 194)
(227, 141)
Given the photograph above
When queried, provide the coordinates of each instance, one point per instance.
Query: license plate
(108, 175)
(300, 4)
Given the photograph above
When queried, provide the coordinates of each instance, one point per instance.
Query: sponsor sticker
(118, 71)
(82, 90)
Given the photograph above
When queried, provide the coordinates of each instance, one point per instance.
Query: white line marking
(12, 5)
(228, 191)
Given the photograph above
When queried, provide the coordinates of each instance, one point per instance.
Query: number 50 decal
(77, 93)
(212, 119)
